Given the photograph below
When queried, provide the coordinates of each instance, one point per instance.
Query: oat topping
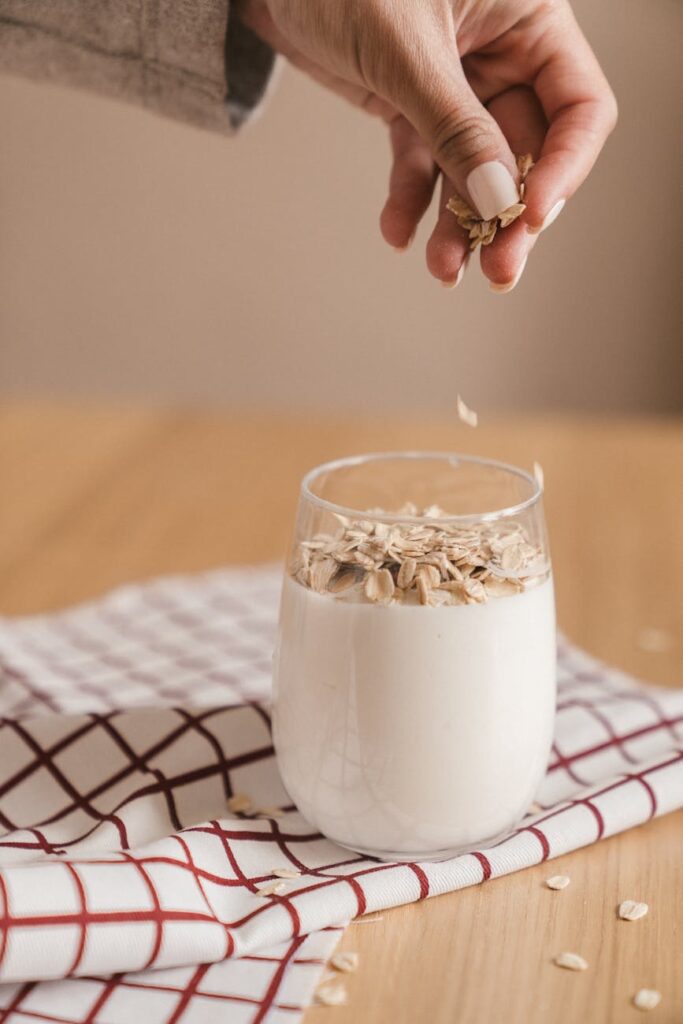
(425, 563)
(482, 232)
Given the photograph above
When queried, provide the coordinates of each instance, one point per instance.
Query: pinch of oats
(654, 641)
(346, 962)
(511, 214)
(524, 164)
(538, 475)
(571, 961)
(647, 998)
(631, 910)
(271, 889)
(558, 881)
(379, 586)
(457, 205)
(406, 574)
(331, 993)
(465, 414)
(239, 803)
(285, 873)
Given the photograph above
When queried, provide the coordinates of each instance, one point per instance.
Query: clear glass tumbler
(415, 665)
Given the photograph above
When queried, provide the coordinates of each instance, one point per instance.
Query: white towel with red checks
(129, 892)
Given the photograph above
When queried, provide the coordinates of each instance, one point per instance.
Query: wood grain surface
(94, 496)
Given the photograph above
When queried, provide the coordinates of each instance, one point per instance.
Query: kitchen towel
(129, 890)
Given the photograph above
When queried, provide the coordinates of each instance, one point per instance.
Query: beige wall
(141, 257)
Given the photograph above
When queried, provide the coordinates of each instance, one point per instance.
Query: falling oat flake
(466, 414)
(538, 475)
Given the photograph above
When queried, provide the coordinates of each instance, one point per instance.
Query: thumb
(465, 140)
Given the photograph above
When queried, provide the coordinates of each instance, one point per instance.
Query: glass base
(402, 857)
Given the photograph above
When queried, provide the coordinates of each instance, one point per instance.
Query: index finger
(581, 110)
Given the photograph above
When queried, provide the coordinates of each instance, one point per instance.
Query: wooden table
(95, 496)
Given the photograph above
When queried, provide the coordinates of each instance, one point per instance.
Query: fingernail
(461, 274)
(404, 248)
(492, 189)
(509, 285)
(550, 217)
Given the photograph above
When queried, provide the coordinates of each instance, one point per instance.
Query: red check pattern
(129, 892)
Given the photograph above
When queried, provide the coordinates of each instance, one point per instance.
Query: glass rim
(454, 458)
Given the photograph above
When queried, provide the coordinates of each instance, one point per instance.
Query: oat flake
(331, 993)
(647, 998)
(558, 881)
(631, 910)
(345, 962)
(572, 961)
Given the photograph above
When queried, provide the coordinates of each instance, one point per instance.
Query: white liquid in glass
(414, 732)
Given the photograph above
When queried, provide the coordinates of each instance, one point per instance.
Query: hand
(464, 86)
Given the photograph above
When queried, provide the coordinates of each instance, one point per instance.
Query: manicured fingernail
(509, 285)
(550, 217)
(461, 274)
(492, 189)
(404, 248)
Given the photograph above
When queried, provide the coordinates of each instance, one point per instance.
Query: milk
(411, 732)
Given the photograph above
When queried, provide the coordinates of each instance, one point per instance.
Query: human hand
(464, 86)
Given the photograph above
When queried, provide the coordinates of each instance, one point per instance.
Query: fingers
(448, 245)
(521, 118)
(464, 139)
(411, 184)
(581, 111)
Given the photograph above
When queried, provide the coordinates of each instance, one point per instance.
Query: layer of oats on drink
(415, 683)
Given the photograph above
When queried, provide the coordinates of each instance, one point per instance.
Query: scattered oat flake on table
(331, 993)
(558, 881)
(647, 998)
(345, 961)
(239, 803)
(466, 414)
(271, 889)
(572, 962)
(655, 641)
(631, 910)
(286, 873)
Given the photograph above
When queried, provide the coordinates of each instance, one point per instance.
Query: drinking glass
(414, 689)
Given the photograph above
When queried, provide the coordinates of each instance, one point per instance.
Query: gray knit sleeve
(188, 59)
